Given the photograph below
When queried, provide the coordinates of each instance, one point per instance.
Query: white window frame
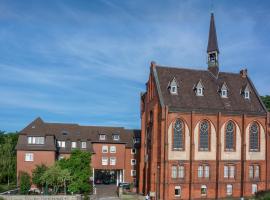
(83, 145)
(200, 171)
(105, 149)
(206, 171)
(112, 160)
(254, 188)
(181, 171)
(61, 144)
(135, 151)
(111, 149)
(73, 145)
(133, 172)
(104, 161)
(102, 137)
(116, 137)
(35, 140)
(174, 171)
(29, 157)
(226, 171)
(199, 91)
(229, 189)
(247, 94)
(133, 161)
(204, 187)
(224, 93)
(173, 89)
(177, 188)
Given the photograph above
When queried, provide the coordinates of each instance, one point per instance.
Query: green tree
(55, 178)
(79, 166)
(266, 101)
(37, 175)
(8, 157)
(25, 183)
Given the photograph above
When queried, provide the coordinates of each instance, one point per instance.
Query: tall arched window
(204, 136)
(178, 136)
(229, 138)
(254, 137)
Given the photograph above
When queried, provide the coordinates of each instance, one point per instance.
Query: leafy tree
(25, 183)
(37, 175)
(266, 101)
(55, 178)
(79, 166)
(8, 157)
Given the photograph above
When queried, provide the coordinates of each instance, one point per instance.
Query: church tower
(212, 48)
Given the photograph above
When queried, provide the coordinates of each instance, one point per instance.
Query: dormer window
(173, 87)
(224, 91)
(199, 88)
(116, 137)
(246, 94)
(102, 137)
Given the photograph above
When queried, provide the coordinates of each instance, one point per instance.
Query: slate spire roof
(212, 40)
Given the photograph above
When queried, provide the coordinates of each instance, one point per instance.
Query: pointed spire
(212, 40)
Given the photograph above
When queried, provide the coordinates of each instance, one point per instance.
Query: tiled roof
(72, 132)
(211, 100)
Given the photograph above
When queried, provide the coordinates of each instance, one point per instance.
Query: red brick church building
(204, 133)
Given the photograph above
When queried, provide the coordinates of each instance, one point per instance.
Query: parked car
(124, 186)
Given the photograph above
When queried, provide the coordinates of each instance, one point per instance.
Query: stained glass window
(254, 137)
(229, 136)
(178, 136)
(204, 135)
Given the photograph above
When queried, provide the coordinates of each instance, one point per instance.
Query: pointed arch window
(230, 136)
(254, 137)
(178, 135)
(204, 136)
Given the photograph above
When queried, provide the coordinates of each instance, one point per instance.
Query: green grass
(5, 187)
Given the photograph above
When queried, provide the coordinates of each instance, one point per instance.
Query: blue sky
(86, 62)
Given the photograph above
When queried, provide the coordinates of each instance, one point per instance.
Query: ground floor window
(203, 190)
(254, 188)
(29, 157)
(229, 189)
(177, 191)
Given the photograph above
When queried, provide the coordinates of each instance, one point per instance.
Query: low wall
(41, 197)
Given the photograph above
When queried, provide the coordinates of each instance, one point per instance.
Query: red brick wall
(40, 157)
(97, 156)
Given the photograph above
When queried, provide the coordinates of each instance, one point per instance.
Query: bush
(25, 183)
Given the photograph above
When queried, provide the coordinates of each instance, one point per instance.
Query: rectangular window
(133, 172)
(229, 189)
(232, 171)
(102, 137)
(257, 172)
(104, 161)
(35, 140)
(133, 162)
(112, 149)
(226, 171)
(181, 171)
(29, 157)
(250, 171)
(200, 171)
(177, 191)
(83, 145)
(61, 144)
(203, 190)
(254, 188)
(174, 172)
(133, 151)
(73, 144)
(206, 171)
(104, 149)
(112, 161)
(116, 137)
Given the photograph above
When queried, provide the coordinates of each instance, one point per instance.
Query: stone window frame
(252, 171)
(183, 136)
(202, 168)
(258, 137)
(204, 187)
(229, 166)
(177, 191)
(234, 137)
(231, 189)
(209, 136)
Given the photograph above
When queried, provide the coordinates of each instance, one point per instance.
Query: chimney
(243, 73)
